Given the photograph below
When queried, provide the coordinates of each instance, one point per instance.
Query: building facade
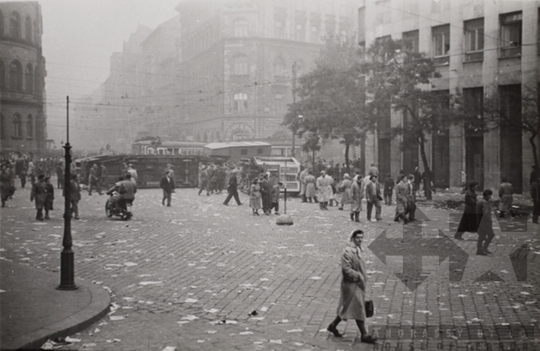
(481, 48)
(23, 121)
(240, 60)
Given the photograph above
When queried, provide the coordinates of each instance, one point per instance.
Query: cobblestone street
(203, 276)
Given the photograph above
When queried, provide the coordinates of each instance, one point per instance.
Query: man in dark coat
(266, 192)
(167, 184)
(38, 194)
(485, 223)
(49, 197)
(468, 221)
(233, 190)
(388, 189)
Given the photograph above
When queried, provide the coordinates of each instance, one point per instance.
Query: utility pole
(293, 153)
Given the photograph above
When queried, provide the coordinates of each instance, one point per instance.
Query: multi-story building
(240, 58)
(23, 121)
(481, 48)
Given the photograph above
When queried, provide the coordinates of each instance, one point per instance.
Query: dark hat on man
(41, 176)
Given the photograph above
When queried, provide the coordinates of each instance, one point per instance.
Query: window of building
(241, 65)
(300, 32)
(15, 25)
(474, 40)
(243, 152)
(29, 75)
(441, 44)
(511, 34)
(29, 127)
(279, 29)
(259, 151)
(279, 103)
(36, 80)
(279, 67)
(240, 102)
(15, 76)
(28, 29)
(2, 75)
(241, 28)
(410, 41)
(17, 126)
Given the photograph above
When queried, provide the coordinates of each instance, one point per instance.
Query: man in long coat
(203, 181)
(374, 198)
(93, 180)
(38, 194)
(167, 184)
(302, 178)
(357, 194)
(506, 192)
(402, 189)
(233, 190)
(266, 193)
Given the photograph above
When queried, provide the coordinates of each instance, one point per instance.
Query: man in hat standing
(167, 184)
(38, 193)
(49, 197)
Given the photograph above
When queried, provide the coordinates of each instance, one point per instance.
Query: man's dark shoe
(226, 204)
(332, 329)
(368, 339)
(487, 251)
(481, 253)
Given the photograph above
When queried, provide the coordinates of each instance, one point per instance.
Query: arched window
(15, 76)
(15, 25)
(2, 126)
(1, 24)
(37, 76)
(28, 29)
(17, 126)
(240, 102)
(29, 126)
(240, 28)
(279, 67)
(2, 75)
(29, 78)
(241, 65)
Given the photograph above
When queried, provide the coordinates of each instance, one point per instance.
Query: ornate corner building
(22, 78)
(240, 60)
(481, 48)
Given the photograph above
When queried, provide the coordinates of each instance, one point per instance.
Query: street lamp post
(67, 257)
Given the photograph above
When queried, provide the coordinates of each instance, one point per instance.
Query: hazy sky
(79, 37)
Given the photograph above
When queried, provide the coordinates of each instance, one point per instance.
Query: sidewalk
(33, 310)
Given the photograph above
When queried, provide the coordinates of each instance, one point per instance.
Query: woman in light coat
(506, 192)
(310, 187)
(353, 288)
(255, 197)
(345, 190)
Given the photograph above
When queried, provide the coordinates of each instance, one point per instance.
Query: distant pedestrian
(535, 195)
(345, 189)
(276, 192)
(411, 199)
(74, 195)
(93, 180)
(233, 190)
(49, 197)
(38, 194)
(485, 223)
(357, 194)
(401, 200)
(59, 175)
(5, 185)
(417, 181)
(203, 181)
(134, 176)
(255, 197)
(311, 191)
(104, 177)
(468, 221)
(353, 288)
(373, 170)
(266, 194)
(302, 179)
(324, 191)
(388, 189)
(506, 192)
(374, 198)
(167, 184)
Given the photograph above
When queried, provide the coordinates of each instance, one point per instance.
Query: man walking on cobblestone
(233, 190)
(357, 194)
(485, 223)
(38, 194)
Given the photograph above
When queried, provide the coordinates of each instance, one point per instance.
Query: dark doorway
(510, 134)
(384, 157)
(441, 158)
(474, 149)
